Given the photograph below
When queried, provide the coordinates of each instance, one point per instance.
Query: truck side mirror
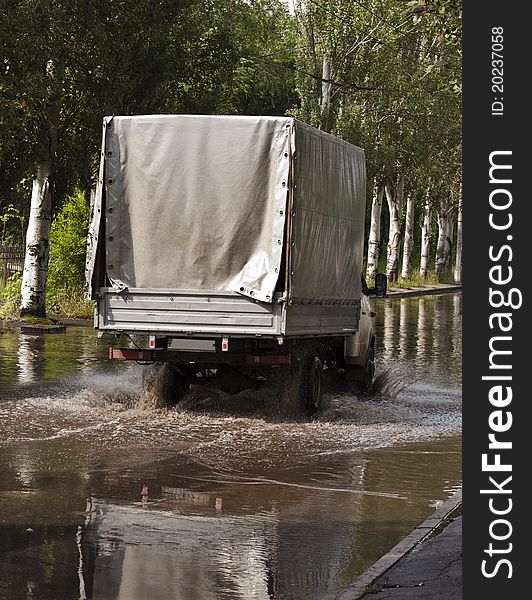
(381, 285)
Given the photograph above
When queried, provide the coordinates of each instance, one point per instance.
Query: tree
(458, 261)
(67, 64)
(425, 241)
(375, 232)
(33, 291)
(408, 243)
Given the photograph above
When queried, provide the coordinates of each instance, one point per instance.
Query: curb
(423, 291)
(360, 587)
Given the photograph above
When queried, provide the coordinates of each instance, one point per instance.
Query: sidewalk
(426, 565)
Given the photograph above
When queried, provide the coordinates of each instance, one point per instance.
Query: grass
(31, 320)
(10, 297)
(69, 304)
(417, 281)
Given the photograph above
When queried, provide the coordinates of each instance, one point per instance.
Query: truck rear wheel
(362, 377)
(313, 396)
(303, 384)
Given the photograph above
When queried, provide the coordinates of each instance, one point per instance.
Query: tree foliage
(128, 57)
(382, 74)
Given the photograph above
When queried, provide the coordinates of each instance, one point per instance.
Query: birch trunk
(325, 85)
(375, 233)
(326, 93)
(400, 195)
(458, 258)
(449, 242)
(442, 247)
(392, 256)
(408, 243)
(33, 291)
(425, 243)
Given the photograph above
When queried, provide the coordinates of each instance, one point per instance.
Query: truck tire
(369, 372)
(303, 384)
(361, 378)
(313, 392)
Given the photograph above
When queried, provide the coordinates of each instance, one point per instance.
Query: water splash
(391, 381)
(266, 402)
(153, 387)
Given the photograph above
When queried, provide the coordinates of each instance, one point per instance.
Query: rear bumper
(199, 357)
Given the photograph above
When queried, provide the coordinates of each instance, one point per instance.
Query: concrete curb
(424, 291)
(357, 589)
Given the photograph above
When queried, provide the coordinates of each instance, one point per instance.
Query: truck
(233, 244)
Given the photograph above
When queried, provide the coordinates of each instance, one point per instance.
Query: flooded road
(102, 500)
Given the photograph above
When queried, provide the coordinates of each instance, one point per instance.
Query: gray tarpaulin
(196, 202)
(91, 267)
(199, 203)
(328, 225)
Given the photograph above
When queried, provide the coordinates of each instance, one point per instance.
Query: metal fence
(11, 261)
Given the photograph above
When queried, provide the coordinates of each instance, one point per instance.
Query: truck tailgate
(169, 312)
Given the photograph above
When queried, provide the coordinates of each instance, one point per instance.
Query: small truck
(233, 243)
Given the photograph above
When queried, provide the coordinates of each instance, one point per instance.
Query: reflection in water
(30, 358)
(404, 333)
(389, 334)
(423, 335)
(423, 349)
(268, 543)
(207, 506)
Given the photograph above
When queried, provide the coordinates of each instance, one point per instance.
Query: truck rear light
(152, 342)
(225, 344)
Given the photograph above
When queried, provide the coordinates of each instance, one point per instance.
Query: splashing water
(268, 402)
(391, 381)
(153, 389)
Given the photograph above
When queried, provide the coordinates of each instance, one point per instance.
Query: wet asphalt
(103, 496)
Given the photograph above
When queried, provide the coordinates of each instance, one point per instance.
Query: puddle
(104, 497)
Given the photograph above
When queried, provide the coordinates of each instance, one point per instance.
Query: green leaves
(131, 57)
(68, 241)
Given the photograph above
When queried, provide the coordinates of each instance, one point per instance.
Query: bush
(66, 268)
(10, 297)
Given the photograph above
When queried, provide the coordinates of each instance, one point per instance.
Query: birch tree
(408, 243)
(394, 199)
(442, 247)
(425, 241)
(458, 257)
(33, 291)
(375, 232)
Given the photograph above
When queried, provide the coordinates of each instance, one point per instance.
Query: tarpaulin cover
(196, 202)
(328, 224)
(199, 203)
(92, 268)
